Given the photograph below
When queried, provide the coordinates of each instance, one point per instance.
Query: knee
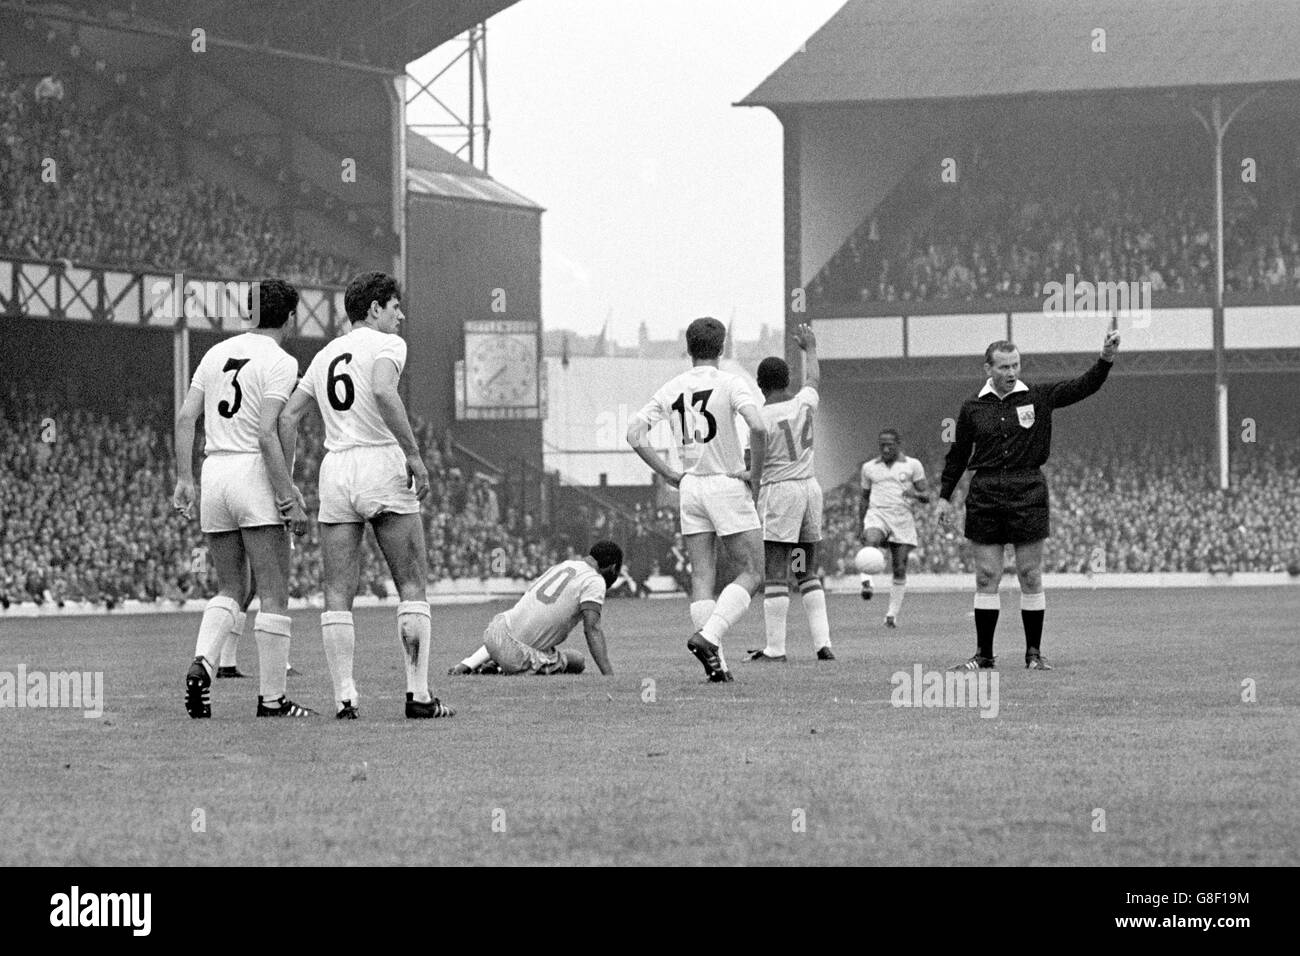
(985, 579)
(1031, 578)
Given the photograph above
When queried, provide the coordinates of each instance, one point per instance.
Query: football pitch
(1138, 749)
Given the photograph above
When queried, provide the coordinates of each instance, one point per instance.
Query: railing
(86, 292)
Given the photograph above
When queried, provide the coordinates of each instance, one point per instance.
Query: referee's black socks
(987, 607)
(1033, 607)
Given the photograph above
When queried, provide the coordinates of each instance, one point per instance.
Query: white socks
(776, 607)
(478, 658)
(231, 644)
(896, 593)
(732, 603)
(340, 641)
(413, 628)
(814, 605)
(271, 631)
(701, 611)
(218, 619)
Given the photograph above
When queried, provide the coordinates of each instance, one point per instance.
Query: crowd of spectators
(1011, 224)
(86, 513)
(101, 188)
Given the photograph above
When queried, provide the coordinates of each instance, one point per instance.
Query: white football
(870, 561)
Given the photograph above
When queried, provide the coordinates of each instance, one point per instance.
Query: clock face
(501, 370)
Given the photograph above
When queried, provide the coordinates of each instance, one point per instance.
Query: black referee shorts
(1007, 507)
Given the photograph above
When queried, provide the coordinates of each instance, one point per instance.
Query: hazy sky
(663, 201)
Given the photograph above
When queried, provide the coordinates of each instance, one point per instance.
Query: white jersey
(341, 378)
(789, 425)
(887, 482)
(543, 617)
(701, 405)
(236, 376)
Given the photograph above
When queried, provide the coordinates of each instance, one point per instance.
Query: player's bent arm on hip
(757, 446)
(638, 436)
(920, 491)
(596, 639)
(393, 412)
(183, 442)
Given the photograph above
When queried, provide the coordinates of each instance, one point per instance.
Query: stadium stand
(1120, 211)
(118, 203)
(87, 513)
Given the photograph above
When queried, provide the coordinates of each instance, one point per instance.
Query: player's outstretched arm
(287, 498)
(596, 639)
(393, 412)
(183, 443)
(807, 340)
(638, 436)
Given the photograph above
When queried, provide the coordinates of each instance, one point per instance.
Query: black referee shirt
(1012, 433)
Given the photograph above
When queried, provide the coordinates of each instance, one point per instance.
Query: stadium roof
(385, 33)
(432, 171)
(897, 50)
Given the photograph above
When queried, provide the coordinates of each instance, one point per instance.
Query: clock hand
(496, 375)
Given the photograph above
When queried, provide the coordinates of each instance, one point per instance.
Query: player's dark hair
(366, 288)
(1001, 345)
(271, 302)
(704, 338)
(773, 374)
(891, 431)
(607, 555)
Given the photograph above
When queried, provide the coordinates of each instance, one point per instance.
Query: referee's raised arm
(1064, 394)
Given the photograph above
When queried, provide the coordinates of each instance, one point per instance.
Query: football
(870, 560)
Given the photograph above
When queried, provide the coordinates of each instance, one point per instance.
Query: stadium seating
(115, 202)
(87, 516)
(1012, 223)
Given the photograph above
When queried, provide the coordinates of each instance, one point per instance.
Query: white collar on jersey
(988, 388)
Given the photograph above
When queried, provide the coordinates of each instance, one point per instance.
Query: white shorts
(361, 483)
(898, 529)
(792, 511)
(717, 503)
(235, 492)
(515, 657)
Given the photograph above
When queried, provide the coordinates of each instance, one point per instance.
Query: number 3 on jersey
(701, 399)
(332, 381)
(224, 408)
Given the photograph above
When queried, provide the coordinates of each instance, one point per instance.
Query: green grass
(1143, 718)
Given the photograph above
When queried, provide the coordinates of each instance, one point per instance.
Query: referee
(1004, 435)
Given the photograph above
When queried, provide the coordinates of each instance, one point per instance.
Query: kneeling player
(526, 638)
(890, 483)
(790, 502)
